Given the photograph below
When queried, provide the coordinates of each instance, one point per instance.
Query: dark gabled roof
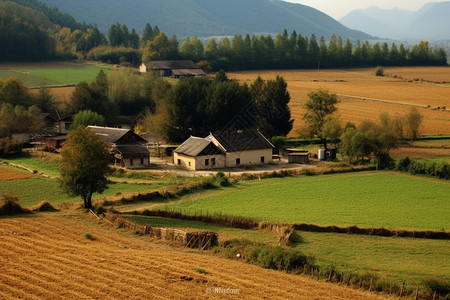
(241, 140)
(171, 64)
(43, 116)
(132, 151)
(195, 146)
(188, 72)
(116, 135)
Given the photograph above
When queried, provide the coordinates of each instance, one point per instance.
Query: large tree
(271, 99)
(84, 164)
(319, 107)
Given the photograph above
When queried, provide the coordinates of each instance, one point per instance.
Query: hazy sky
(339, 8)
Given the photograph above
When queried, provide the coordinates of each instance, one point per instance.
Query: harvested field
(49, 257)
(60, 94)
(413, 152)
(363, 96)
(10, 174)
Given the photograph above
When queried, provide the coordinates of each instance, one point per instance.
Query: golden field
(48, 257)
(363, 96)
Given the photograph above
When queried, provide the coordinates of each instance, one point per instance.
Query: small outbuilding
(128, 148)
(172, 68)
(298, 158)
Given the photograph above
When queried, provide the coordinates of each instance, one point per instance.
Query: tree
(413, 121)
(84, 165)
(87, 117)
(320, 105)
(332, 129)
(272, 99)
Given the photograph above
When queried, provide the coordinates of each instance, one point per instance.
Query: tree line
(33, 31)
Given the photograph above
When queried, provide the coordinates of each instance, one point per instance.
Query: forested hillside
(206, 18)
(24, 33)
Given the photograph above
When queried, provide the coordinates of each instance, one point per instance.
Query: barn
(128, 148)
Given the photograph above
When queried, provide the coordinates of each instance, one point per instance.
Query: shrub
(11, 206)
(441, 287)
(44, 206)
(201, 271)
(88, 236)
(403, 164)
(266, 256)
(384, 161)
(9, 147)
(379, 71)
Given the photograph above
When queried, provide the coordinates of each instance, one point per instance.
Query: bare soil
(9, 174)
(48, 257)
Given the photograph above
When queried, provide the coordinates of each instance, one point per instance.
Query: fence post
(348, 280)
(370, 285)
(401, 289)
(417, 292)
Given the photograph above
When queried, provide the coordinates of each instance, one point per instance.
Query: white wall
(249, 157)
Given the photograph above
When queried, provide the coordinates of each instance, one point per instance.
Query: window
(213, 161)
(262, 159)
(142, 161)
(131, 161)
(67, 126)
(189, 164)
(179, 162)
(207, 162)
(238, 161)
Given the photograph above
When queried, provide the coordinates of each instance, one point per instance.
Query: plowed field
(9, 174)
(47, 257)
(363, 96)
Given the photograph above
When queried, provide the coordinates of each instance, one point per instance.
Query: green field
(34, 190)
(393, 259)
(366, 199)
(55, 74)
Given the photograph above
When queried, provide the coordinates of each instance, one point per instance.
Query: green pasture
(56, 74)
(41, 164)
(392, 259)
(365, 199)
(34, 190)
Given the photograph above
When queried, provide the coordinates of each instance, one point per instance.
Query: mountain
(431, 22)
(206, 18)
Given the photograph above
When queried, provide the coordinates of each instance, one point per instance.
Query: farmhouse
(126, 146)
(224, 149)
(172, 68)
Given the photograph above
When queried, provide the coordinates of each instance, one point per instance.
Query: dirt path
(48, 257)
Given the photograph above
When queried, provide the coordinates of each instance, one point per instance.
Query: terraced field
(48, 257)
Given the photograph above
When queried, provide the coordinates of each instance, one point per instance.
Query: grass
(367, 199)
(43, 164)
(34, 190)
(57, 74)
(387, 257)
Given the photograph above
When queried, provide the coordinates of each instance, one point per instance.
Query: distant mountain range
(431, 22)
(206, 18)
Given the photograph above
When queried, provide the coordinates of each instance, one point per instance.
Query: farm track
(47, 257)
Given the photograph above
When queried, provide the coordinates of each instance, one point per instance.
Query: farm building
(224, 149)
(64, 124)
(172, 68)
(126, 146)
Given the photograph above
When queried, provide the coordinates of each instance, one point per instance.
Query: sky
(339, 8)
